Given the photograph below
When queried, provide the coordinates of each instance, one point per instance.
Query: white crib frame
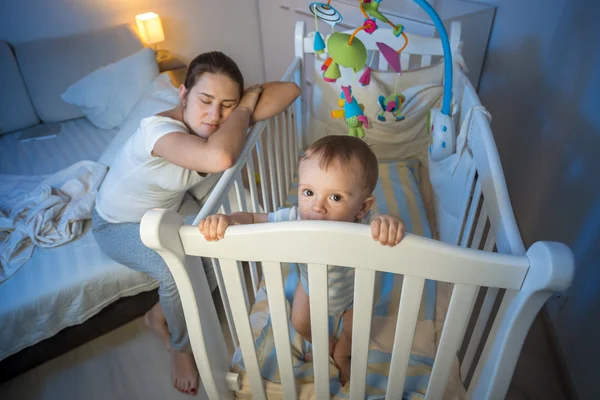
(529, 277)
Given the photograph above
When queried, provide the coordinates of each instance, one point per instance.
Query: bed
(461, 339)
(66, 285)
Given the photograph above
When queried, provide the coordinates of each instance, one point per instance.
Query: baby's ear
(366, 206)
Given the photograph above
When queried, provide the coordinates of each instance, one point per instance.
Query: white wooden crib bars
(493, 265)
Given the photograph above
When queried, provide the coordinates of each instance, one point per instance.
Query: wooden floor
(130, 363)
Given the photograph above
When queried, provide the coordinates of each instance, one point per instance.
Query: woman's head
(212, 89)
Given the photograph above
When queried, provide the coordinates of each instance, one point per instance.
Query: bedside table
(177, 76)
(173, 66)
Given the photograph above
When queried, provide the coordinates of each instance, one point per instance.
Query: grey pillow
(16, 110)
(49, 66)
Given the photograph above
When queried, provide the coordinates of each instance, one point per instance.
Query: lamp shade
(150, 28)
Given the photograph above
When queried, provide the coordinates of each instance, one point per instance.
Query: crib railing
(530, 277)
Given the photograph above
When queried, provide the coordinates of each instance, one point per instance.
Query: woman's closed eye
(222, 105)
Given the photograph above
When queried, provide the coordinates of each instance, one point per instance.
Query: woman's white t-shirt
(138, 181)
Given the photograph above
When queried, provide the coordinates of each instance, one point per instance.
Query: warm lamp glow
(150, 27)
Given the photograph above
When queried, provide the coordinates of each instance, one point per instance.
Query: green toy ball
(352, 55)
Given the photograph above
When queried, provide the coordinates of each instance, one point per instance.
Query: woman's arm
(221, 150)
(212, 155)
(275, 97)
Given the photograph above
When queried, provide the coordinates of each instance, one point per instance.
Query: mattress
(78, 140)
(66, 285)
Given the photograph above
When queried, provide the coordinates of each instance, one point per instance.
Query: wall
(190, 26)
(541, 83)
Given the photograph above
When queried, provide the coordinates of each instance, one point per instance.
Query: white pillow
(107, 95)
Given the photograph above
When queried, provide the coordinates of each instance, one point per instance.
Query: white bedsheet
(44, 211)
(66, 285)
(78, 140)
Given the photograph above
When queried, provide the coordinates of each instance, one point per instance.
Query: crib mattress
(397, 193)
(66, 285)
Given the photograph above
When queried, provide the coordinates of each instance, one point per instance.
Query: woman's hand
(250, 98)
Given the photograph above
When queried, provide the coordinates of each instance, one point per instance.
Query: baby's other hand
(214, 226)
(387, 230)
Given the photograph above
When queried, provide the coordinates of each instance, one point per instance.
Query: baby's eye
(307, 192)
(336, 197)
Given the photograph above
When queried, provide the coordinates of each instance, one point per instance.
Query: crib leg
(159, 230)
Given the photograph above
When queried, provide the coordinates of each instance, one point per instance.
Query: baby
(337, 176)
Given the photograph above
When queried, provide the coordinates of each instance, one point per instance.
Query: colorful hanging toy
(328, 14)
(391, 104)
(347, 51)
(370, 8)
(352, 113)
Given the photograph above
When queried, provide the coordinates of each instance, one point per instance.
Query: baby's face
(335, 194)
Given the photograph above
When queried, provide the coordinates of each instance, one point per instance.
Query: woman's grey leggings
(122, 243)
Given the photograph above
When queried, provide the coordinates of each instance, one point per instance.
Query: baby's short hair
(350, 152)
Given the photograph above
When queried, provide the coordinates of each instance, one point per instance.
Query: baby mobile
(347, 51)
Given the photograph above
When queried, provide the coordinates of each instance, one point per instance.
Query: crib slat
(234, 286)
(272, 169)
(226, 209)
(471, 215)
(280, 318)
(255, 209)
(405, 61)
(252, 183)
(406, 324)
(284, 151)
(319, 321)
(465, 208)
(297, 139)
(260, 155)
(291, 147)
(425, 60)
(279, 172)
(364, 288)
(298, 105)
(240, 192)
(482, 319)
(462, 298)
(225, 300)
(479, 228)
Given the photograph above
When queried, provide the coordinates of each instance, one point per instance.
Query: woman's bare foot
(343, 364)
(184, 372)
(156, 321)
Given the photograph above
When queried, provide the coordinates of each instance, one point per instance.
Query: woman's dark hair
(213, 62)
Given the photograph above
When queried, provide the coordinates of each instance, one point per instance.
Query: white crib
(502, 269)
